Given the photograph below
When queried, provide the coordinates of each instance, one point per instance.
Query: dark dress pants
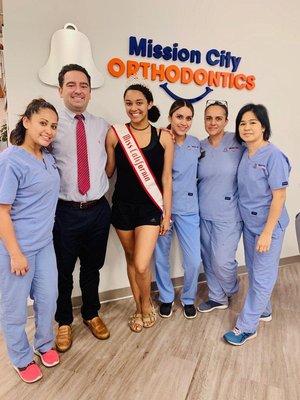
(80, 233)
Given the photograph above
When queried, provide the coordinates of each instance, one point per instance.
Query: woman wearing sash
(142, 197)
(185, 215)
(220, 220)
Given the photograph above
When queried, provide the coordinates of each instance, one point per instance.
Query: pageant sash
(139, 164)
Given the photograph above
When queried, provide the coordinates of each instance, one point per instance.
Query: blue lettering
(157, 51)
(175, 50)
(195, 56)
(137, 49)
(167, 53)
(223, 59)
(210, 55)
(149, 51)
(183, 54)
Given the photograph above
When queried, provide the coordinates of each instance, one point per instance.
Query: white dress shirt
(65, 153)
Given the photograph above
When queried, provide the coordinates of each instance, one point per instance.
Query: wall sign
(153, 67)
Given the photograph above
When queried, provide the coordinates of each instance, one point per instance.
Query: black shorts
(128, 216)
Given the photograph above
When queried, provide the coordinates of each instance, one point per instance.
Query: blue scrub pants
(188, 233)
(219, 242)
(262, 275)
(40, 283)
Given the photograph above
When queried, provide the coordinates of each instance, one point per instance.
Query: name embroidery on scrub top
(232, 148)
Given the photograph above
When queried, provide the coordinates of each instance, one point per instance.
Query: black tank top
(128, 188)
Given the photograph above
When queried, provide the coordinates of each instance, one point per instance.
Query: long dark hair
(17, 136)
(179, 104)
(153, 112)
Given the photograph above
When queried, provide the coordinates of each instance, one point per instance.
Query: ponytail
(17, 136)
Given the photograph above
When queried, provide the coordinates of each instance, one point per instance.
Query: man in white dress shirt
(83, 214)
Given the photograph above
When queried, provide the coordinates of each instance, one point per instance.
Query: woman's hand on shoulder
(169, 132)
(19, 264)
(166, 139)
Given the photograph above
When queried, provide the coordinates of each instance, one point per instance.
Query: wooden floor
(178, 358)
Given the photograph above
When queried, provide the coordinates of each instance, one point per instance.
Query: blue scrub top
(217, 174)
(267, 170)
(31, 186)
(185, 164)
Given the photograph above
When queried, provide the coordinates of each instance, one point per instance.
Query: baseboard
(123, 293)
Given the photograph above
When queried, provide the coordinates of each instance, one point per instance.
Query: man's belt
(81, 205)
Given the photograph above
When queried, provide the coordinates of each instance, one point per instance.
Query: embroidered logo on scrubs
(189, 147)
(284, 183)
(231, 148)
(259, 166)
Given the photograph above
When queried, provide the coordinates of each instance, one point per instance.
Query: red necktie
(83, 175)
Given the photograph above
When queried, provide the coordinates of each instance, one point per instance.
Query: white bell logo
(69, 46)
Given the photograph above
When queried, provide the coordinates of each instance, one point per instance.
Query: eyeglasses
(216, 103)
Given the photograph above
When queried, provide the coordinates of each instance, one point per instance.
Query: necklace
(139, 129)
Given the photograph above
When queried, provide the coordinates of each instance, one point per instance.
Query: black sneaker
(210, 305)
(266, 317)
(189, 311)
(165, 310)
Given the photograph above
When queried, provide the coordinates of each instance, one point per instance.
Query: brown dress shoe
(97, 327)
(63, 338)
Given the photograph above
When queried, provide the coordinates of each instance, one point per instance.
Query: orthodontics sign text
(153, 67)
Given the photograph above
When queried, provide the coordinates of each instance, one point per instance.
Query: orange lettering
(237, 84)
(172, 73)
(214, 78)
(145, 66)
(250, 83)
(132, 67)
(160, 71)
(186, 75)
(116, 67)
(200, 76)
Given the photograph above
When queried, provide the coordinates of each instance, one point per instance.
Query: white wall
(264, 33)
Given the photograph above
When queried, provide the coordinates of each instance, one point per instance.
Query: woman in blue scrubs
(29, 185)
(220, 220)
(263, 176)
(185, 215)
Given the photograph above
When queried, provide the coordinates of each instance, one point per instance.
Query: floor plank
(177, 359)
